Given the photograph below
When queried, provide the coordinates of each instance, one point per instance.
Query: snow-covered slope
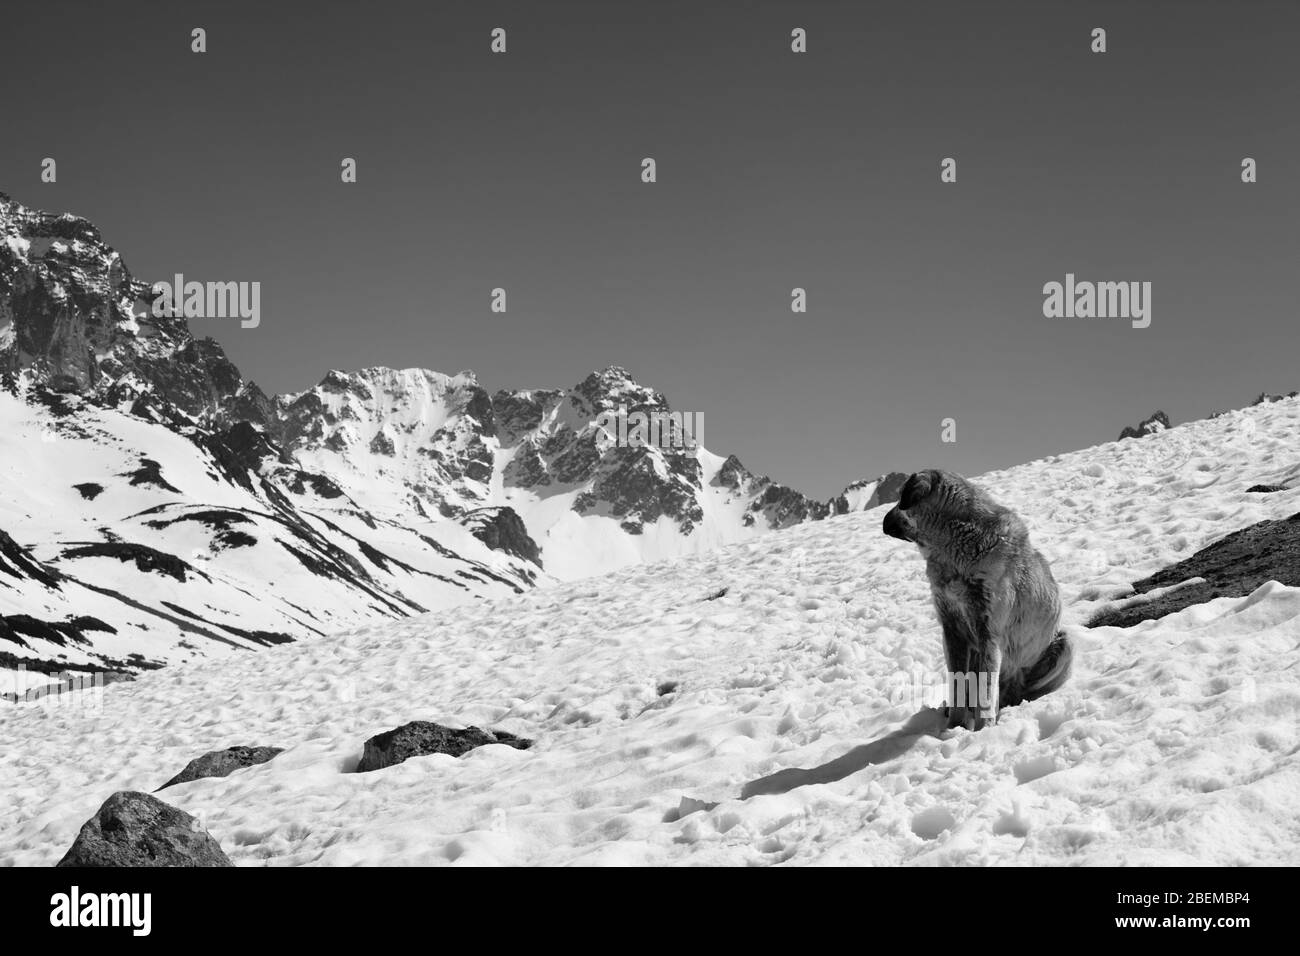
(1175, 742)
(133, 543)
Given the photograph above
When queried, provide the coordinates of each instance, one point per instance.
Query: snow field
(1176, 741)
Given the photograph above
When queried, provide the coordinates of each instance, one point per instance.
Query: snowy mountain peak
(606, 390)
(416, 441)
(407, 441)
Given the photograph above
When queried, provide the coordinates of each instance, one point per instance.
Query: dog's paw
(967, 718)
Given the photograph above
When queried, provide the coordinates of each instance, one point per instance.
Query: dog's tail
(1052, 669)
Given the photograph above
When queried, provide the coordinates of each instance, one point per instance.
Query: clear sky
(775, 170)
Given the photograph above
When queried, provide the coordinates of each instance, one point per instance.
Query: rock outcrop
(1158, 422)
(502, 530)
(1233, 566)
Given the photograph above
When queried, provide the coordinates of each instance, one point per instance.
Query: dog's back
(1036, 654)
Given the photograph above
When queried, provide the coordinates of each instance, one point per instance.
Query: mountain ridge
(152, 490)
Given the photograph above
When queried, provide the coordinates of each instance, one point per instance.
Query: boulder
(420, 738)
(135, 829)
(222, 763)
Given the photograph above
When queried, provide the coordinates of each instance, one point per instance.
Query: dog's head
(928, 498)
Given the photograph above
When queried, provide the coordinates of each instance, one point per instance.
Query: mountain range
(156, 506)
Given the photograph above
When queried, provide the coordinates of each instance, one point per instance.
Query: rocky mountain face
(1157, 422)
(418, 442)
(865, 495)
(156, 506)
(73, 318)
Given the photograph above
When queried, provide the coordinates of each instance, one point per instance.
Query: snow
(409, 406)
(258, 585)
(19, 681)
(859, 493)
(1176, 741)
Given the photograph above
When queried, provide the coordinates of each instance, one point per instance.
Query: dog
(997, 602)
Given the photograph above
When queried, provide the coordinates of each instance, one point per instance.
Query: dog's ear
(916, 489)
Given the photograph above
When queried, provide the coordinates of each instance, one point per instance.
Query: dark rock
(240, 450)
(319, 484)
(631, 486)
(611, 388)
(12, 626)
(222, 763)
(85, 622)
(518, 413)
(501, 529)
(18, 562)
(337, 382)
(1266, 398)
(887, 489)
(135, 829)
(146, 558)
(1158, 422)
(732, 475)
(234, 539)
(479, 408)
(1232, 567)
(527, 469)
(89, 490)
(420, 737)
(218, 519)
(783, 507)
(250, 404)
(1266, 489)
(150, 473)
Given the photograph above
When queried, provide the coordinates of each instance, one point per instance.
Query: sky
(775, 170)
